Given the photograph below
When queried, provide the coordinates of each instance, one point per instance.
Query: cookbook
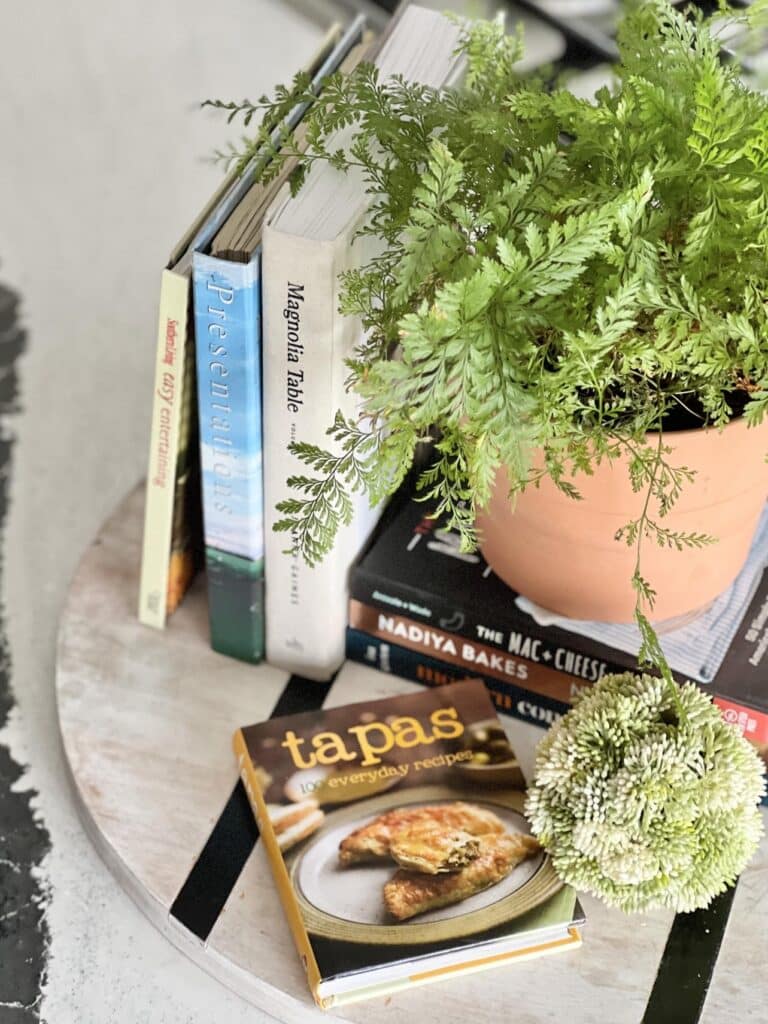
(397, 837)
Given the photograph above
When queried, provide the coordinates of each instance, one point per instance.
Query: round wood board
(147, 717)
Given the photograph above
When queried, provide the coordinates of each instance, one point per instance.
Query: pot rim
(736, 421)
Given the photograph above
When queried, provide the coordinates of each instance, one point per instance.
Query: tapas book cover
(395, 828)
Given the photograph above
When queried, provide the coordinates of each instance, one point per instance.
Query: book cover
(396, 835)
(227, 306)
(415, 588)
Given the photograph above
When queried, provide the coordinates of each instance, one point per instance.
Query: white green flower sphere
(643, 807)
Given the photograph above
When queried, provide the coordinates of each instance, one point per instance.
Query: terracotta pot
(562, 554)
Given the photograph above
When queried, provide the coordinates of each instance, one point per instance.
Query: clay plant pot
(561, 553)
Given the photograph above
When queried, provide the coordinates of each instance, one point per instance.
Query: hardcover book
(308, 243)
(415, 590)
(171, 544)
(397, 839)
(227, 304)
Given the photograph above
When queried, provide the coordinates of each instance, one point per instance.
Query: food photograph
(397, 830)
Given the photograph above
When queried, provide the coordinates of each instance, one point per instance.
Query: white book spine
(306, 342)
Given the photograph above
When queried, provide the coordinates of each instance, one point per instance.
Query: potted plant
(571, 303)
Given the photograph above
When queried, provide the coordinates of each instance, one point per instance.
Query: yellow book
(398, 843)
(167, 563)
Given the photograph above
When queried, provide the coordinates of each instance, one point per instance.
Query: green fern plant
(554, 274)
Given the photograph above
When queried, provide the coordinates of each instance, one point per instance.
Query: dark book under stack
(422, 609)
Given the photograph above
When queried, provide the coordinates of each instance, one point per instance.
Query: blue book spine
(400, 661)
(227, 307)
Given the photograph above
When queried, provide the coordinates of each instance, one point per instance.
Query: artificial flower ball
(643, 802)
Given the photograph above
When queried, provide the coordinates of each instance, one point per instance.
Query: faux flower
(646, 797)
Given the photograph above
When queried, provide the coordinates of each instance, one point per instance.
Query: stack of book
(173, 534)
(424, 610)
(249, 295)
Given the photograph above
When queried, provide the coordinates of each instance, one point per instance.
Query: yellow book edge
(279, 870)
(388, 988)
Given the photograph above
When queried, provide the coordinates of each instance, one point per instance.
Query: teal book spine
(227, 308)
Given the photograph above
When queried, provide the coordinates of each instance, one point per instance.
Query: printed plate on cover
(345, 902)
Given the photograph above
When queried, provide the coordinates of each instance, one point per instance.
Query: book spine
(306, 343)
(187, 554)
(529, 706)
(157, 573)
(277, 864)
(508, 632)
(468, 656)
(752, 723)
(228, 340)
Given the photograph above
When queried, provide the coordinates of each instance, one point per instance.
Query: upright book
(307, 245)
(172, 539)
(398, 843)
(227, 342)
(171, 511)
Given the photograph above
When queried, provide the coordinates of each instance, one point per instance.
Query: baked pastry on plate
(373, 841)
(410, 893)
